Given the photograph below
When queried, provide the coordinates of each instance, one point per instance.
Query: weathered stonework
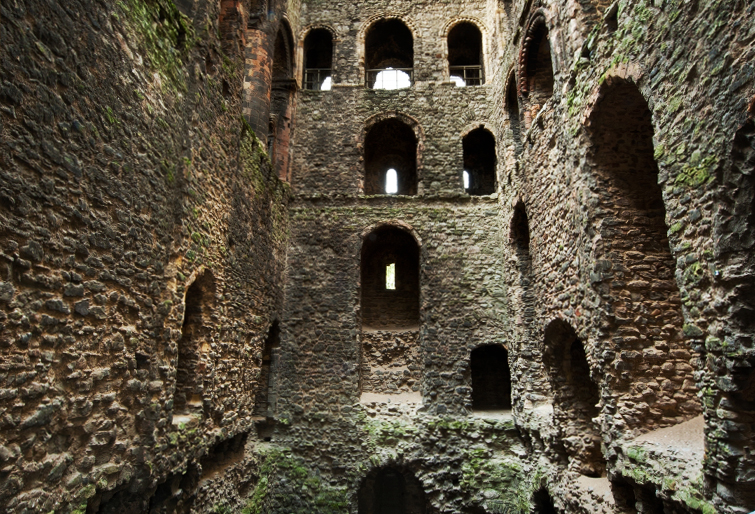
(194, 313)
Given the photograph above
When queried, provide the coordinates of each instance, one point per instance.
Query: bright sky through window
(466, 179)
(392, 79)
(391, 182)
(326, 84)
(458, 81)
(390, 277)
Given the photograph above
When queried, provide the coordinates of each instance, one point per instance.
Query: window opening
(390, 146)
(480, 162)
(391, 78)
(318, 60)
(512, 106)
(465, 179)
(383, 307)
(465, 55)
(491, 379)
(391, 182)
(390, 277)
(389, 55)
(266, 398)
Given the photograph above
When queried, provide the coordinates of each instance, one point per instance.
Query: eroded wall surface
(127, 177)
(183, 331)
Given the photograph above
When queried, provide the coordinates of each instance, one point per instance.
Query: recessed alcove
(391, 490)
(575, 398)
(195, 340)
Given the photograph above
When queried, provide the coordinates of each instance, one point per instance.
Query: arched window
(391, 490)
(576, 398)
(266, 399)
(465, 55)
(390, 302)
(536, 68)
(512, 107)
(389, 55)
(480, 161)
(636, 253)
(195, 335)
(491, 378)
(281, 101)
(318, 59)
(390, 145)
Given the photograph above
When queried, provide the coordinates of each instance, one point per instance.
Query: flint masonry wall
(127, 174)
(649, 377)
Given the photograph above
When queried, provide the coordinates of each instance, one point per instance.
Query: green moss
(698, 174)
(165, 35)
(637, 454)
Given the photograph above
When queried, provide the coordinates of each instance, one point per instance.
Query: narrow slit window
(465, 177)
(391, 182)
(390, 277)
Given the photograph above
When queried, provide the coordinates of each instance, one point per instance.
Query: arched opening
(638, 266)
(491, 378)
(391, 490)
(520, 238)
(512, 107)
(266, 398)
(480, 162)
(390, 248)
(389, 55)
(318, 60)
(465, 56)
(195, 339)
(543, 503)
(390, 145)
(536, 66)
(576, 398)
(520, 231)
(281, 101)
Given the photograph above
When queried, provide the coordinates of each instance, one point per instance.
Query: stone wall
(151, 253)
(127, 180)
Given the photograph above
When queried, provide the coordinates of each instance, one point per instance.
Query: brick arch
(287, 65)
(537, 22)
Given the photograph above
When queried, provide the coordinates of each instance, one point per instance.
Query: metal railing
(471, 75)
(390, 78)
(314, 78)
